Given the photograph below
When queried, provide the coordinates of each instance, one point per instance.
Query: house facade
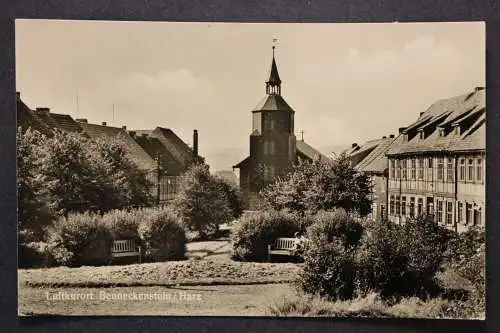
(274, 149)
(436, 165)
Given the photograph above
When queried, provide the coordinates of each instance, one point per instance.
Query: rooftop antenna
(113, 113)
(77, 107)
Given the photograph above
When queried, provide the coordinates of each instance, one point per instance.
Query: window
(398, 170)
(398, 211)
(479, 170)
(439, 211)
(421, 168)
(269, 172)
(468, 213)
(449, 170)
(430, 170)
(470, 165)
(477, 216)
(393, 165)
(403, 206)
(391, 205)
(269, 148)
(460, 208)
(413, 168)
(420, 206)
(403, 169)
(449, 212)
(412, 207)
(440, 167)
(269, 123)
(462, 169)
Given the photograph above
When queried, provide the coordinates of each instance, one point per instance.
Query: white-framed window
(420, 168)
(462, 169)
(449, 170)
(391, 205)
(470, 167)
(413, 172)
(412, 206)
(479, 170)
(269, 148)
(398, 169)
(392, 169)
(439, 211)
(430, 170)
(449, 212)
(440, 168)
(460, 212)
(420, 206)
(403, 169)
(403, 205)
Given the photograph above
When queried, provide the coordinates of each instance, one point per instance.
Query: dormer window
(421, 134)
(441, 131)
(456, 130)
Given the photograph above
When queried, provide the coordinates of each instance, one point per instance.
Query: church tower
(272, 141)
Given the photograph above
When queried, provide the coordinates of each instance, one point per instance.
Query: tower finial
(273, 85)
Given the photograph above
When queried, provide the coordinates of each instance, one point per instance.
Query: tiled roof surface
(376, 161)
(27, 119)
(156, 149)
(62, 122)
(273, 103)
(136, 152)
(467, 110)
(308, 151)
(364, 148)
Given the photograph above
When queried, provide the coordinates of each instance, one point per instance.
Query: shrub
(327, 226)
(201, 203)
(329, 266)
(329, 270)
(81, 239)
(123, 224)
(401, 260)
(232, 195)
(34, 255)
(255, 230)
(162, 234)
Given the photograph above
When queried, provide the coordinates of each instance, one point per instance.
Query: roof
(136, 153)
(62, 122)
(273, 102)
(155, 149)
(27, 119)
(242, 163)
(376, 160)
(437, 124)
(308, 151)
(364, 148)
(274, 77)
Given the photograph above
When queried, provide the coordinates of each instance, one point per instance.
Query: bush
(201, 203)
(232, 195)
(329, 270)
(81, 239)
(123, 224)
(327, 226)
(329, 265)
(401, 260)
(162, 234)
(34, 255)
(255, 230)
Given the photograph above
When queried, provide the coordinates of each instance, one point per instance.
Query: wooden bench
(282, 246)
(125, 248)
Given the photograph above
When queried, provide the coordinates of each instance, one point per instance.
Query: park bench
(125, 248)
(282, 246)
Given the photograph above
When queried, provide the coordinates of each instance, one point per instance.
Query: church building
(274, 148)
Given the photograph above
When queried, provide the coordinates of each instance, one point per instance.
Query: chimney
(43, 109)
(195, 142)
(391, 136)
(132, 133)
(82, 120)
(384, 137)
(124, 127)
(18, 96)
(354, 145)
(421, 113)
(478, 89)
(401, 130)
(103, 123)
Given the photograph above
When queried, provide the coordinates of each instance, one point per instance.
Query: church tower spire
(273, 84)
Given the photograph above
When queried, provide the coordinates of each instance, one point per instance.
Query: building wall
(450, 187)
(379, 196)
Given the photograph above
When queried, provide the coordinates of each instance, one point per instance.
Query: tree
(201, 203)
(322, 185)
(34, 214)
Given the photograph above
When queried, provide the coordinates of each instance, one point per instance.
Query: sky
(347, 82)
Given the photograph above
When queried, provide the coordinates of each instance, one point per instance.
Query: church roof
(308, 151)
(273, 103)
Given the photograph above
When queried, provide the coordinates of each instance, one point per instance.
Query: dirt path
(246, 300)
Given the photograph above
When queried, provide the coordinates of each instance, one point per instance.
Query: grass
(368, 306)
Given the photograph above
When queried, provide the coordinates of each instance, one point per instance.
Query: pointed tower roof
(274, 77)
